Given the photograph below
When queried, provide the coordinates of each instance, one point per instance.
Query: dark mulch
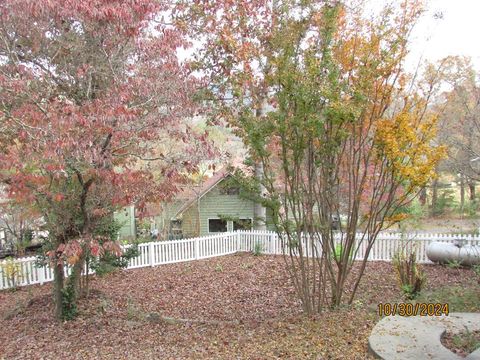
(248, 305)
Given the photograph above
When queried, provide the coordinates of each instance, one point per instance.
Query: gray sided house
(214, 206)
(126, 218)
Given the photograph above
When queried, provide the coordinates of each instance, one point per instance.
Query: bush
(476, 271)
(258, 249)
(415, 210)
(453, 264)
(338, 252)
(470, 208)
(446, 202)
(13, 272)
(69, 305)
(109, 262)
(410, 276)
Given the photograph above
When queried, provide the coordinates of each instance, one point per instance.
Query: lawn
(233, 307)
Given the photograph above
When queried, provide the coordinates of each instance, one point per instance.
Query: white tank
(441, 252)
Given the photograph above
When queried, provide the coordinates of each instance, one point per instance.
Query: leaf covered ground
(463, 343)
(233, 307)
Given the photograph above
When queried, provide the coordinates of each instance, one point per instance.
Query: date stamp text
(408, 309)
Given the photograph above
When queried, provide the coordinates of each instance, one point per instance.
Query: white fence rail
(21, 272)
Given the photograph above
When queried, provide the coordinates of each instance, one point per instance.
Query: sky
(457, 33)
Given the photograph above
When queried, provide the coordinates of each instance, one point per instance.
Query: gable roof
(191, 195)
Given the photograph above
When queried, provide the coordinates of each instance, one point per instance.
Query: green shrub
(445, 202)
(470, 208)
(69, 305)
(338, 252)
(453, 264)
(410, 276)
(476, 271)
(109, 262)
(257, 249)
(415, 211)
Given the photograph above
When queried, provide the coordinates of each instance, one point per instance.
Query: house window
(176, 231)
(242, 224)
(176, 225)
(229, 190)
(217, 225)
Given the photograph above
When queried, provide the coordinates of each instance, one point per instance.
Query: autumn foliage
(90, 91)
(95, 106)
(318, 92)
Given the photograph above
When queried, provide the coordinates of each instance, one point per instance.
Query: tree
(87, 89)
(345, 132)
(19, 224)
(460, 120)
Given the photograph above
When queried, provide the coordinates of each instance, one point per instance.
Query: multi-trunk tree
(460, 121)
(89, 90)
(319, 94)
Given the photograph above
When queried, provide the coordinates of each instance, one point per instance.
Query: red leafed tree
(92, 97)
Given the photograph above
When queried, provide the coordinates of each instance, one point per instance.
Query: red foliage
(89, 92)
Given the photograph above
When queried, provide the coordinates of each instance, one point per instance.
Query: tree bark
(259, 210)
(462, 193)
(471, 187)
(434, 195)
(57, 290)
(423, 196)
(76, 276)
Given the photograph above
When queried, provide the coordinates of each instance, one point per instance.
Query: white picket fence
(165, 252)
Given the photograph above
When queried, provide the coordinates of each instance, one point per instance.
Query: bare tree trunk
(76, 276)
(259, 210)
(197, 219)
(471, 187)
(87, 277)
(423, 196)
(57, 290)
(434, 195)
(462, 193)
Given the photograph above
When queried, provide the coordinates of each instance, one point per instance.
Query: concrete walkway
(418, 337)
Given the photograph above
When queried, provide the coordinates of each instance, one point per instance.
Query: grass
(459, 298)
(469, 341)
(463, 343)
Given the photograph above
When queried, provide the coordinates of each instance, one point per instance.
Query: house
(214, 206)
(217, 205)
(126, 217)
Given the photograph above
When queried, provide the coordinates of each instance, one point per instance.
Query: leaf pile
(236, 307)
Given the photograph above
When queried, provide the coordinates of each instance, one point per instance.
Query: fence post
(41, 274)
(237, 239)
(151, 248)
(197, 248)
(275, 244)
